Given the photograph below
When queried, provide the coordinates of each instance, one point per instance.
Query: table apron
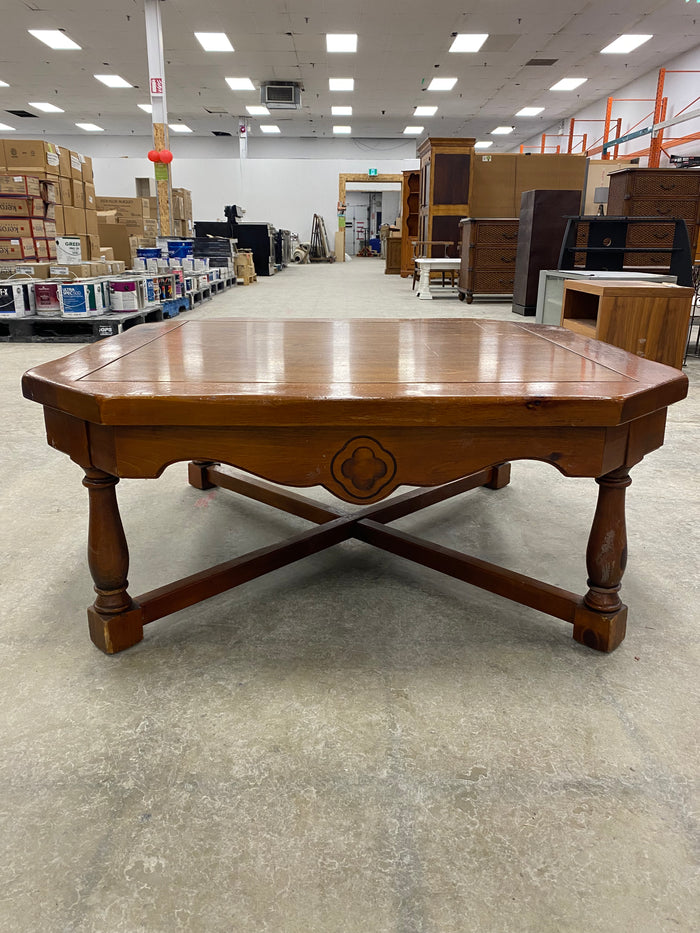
(356, 466)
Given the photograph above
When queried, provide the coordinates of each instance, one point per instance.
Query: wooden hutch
(445, 175)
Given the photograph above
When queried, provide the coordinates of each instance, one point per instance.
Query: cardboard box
(20, 186)
(85, 248)
(74, 221)
(106, 217)
(59, 220)
(107, 253)
(14, 227)
(63, 161)
(150, 228)
(87, 169)
(91, 223)
(68, 249)
(3, 163)
(77, 194)
(90, 199)
(22, 207)
(62, 270)
(94, 249)
(22, 156)
(116, 237)
(65, 189)
(49, 212)
(17, 249)
(49, 191)
(76, 166)
(125, 207)
(38, 270)
(50, 229)
(51, 241)
(41, 250)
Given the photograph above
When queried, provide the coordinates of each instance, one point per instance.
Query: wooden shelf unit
(649, 320)
(410, 210)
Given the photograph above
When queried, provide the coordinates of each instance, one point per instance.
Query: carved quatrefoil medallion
(363, 467)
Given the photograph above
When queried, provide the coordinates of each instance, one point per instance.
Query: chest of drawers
(489, 246)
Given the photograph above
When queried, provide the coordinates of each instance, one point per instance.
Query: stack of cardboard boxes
(182, 212)
(27, 211)
(124, 224)
(67, 189)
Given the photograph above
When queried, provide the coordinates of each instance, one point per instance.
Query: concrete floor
(353, 744)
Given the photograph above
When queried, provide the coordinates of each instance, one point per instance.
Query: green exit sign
(372, 171)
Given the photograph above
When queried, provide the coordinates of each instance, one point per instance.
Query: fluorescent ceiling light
(269, 128)
(7, 129)
(113, 80)
(341, 42)
(425, 111)
(90, 127)
(240, 84)
(341, 111)
(214, 41)
(258, 111)
(483, 144)
(442, 84)
(148, 108)
(626, 43)
(179, 127)
(529, 111)
(568, 84)
(46, 108)
(341, 84)
(342, 130)
(4, 84)
(502, 131)
(54, 38)
(468, 41)
(413, 131)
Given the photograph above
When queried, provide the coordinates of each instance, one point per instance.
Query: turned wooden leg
(601, 619)
(114, 619)
(197, 473)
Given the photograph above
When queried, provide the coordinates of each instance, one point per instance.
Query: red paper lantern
(165, 156)
(154, 155)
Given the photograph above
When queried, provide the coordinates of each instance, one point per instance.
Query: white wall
(283, 181)
(680, 89)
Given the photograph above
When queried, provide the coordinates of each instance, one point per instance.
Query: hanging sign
(157, 87)
(161, 171)
(372, 171)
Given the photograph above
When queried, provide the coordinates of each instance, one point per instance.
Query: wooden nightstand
(648, 320)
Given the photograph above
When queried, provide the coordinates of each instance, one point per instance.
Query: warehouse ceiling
(402, 45)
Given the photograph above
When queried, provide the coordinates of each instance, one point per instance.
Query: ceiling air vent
(280, 95)
(216, 110)
(545, 62)
(22, 113)
(219, 133)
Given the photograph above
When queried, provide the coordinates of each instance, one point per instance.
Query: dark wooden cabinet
(488, 256)
(541, 230)
(656, 192)
(410, 209)
(393, 254)
(445, 182)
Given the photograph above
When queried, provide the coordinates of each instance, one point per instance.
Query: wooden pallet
(247, 278)
(44, 328)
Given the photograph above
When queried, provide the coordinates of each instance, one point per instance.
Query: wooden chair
(423, 249)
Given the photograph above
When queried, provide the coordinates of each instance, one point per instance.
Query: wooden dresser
(410, 207)
(489, 246)
(655, 192)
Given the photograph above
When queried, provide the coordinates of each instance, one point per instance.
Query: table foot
(500, 476)
(598, 630)
(114, 633)
(197, 473)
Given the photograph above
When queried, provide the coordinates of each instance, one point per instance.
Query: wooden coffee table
(360, 407)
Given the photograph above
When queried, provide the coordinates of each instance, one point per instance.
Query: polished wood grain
(361, 408)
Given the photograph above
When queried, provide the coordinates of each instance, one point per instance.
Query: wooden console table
(360, 407)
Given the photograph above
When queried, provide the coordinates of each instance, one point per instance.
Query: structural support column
(159, 111)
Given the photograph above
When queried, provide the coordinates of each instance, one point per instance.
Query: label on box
(59, 270)
(52, 158)
(75, 161)
(68, 249)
